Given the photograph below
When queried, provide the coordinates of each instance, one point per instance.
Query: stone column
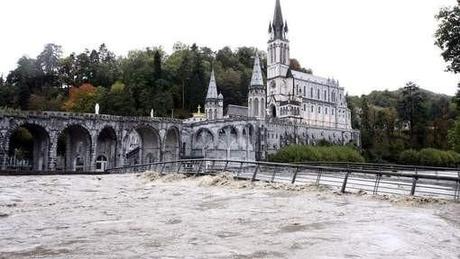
(52, 151)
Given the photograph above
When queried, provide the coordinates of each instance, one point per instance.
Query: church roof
(257, 77)
(212, 88)
(315, 79)
(237, 111)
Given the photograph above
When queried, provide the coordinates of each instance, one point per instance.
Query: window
(312, 108)
(325, 110)
(333, 111)
(311, 92)
(319, 109)
(325, 95)
(318, 95)
(305, 91)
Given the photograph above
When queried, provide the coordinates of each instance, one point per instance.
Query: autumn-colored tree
(81, 99)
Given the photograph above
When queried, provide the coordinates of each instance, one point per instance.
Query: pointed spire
(212, 88)
(278, 15)
(278, 22)
(257, 78)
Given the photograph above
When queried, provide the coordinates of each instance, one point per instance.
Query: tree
(448, 36)
(157, 65)
(294, 64)
(48, 59)
(82, 99)
(412, 111)
(366, 128)
(118, 101)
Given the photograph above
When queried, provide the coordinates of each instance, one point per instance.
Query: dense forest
(406, 125)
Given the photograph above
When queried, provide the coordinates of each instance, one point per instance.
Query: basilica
(289, 107)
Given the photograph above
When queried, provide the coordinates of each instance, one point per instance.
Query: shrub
(430, 157)
(301, 153)
(409, 157)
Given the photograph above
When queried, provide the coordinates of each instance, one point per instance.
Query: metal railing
(345, 179)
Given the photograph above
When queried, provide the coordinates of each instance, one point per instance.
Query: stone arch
(31, 152)
(228, 140)
(171, 144)
(150, 144)
(204, 140)
(74, 149)
(106, 145)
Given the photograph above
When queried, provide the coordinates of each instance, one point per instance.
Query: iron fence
(346, 178)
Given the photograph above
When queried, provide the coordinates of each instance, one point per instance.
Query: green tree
(412, 111)
(448, 36)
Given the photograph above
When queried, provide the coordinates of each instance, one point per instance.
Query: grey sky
(365, 44)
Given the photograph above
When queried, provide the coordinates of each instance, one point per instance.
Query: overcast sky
(365, 44)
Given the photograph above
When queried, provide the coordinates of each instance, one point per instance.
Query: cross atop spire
(257, 78)
(212, 88)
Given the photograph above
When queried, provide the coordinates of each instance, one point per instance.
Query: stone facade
(292, 108)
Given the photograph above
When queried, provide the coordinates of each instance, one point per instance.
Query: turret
(257, 93)
(214, 103)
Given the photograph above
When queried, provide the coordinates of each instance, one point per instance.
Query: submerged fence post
(295, 175)
(414, 183)
(345, 180)
(273, 176)
(178, 168)
(239, 171)
(255, 173)
(377, 183)
(225, 167)
(162, 168)
(318, 178)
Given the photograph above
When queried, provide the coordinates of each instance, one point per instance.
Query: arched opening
(273, 111)
(74, 149)
(228, 140)
(149, 148)
(248, 139)
(171, 152)
(28, 148)
(106, 146)
(101, 163)
(256, 107)
(262, 107)
(250, 108)
(204, 140)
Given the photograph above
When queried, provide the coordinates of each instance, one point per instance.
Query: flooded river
(133, 216)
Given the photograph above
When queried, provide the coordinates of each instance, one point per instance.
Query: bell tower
(278, 45)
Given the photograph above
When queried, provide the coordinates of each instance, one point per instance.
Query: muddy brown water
(134, 216)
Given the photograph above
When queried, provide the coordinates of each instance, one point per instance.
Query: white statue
(151, 113)
(96, 108)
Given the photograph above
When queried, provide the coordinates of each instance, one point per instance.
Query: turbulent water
(132, 216)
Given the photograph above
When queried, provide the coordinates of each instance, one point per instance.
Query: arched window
(311, 92)
(256, 107)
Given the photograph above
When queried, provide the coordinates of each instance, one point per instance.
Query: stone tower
(214, 104)
(278, 88)
(257, 94)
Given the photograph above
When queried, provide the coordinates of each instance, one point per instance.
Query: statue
(96, 108)
(199, 109)
(151, 113)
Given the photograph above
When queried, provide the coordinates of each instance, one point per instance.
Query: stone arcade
(292, 107)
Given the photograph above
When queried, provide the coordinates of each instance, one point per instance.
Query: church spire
(212, 88)
(257, 78)
(278, 22)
